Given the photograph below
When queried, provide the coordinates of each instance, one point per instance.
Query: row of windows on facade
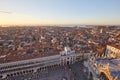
(31, 71)
(32, 66)
(23, 64)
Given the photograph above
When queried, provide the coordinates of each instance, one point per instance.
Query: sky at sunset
(55, 12)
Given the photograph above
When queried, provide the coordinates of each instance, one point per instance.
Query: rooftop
(116, 45)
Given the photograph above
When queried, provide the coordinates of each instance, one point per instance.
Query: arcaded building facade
(35, 65)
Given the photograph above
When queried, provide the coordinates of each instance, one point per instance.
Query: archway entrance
(103, 76)
(91, 76)
(68, 63)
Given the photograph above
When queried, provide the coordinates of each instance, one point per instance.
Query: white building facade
(105, 67)
(112, 52)
(17, 68)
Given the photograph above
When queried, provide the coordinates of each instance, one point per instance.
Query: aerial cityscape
(59, 40)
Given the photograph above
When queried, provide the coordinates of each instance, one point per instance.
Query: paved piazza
(71, 72)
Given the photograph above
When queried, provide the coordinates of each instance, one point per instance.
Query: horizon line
(77, 25)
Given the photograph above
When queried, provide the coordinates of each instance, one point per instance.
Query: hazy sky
(60, 12)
